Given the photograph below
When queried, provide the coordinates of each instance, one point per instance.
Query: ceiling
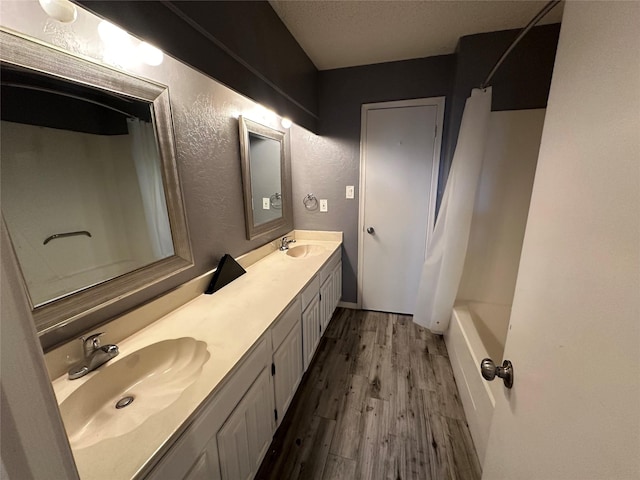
(337, 34)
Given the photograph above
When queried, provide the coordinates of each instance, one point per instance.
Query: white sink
(302, 251)
(154, 376)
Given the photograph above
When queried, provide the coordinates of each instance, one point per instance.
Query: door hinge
(435, 132)
(320, 296)
(273, 369)
(275, 413)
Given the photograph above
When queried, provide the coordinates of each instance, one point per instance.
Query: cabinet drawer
(285, 323)
(309, 292)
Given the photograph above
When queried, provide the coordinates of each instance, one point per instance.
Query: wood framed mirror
(266, 178)
(91, 194)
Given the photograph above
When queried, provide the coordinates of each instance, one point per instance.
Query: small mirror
(265, 178)
(90, 192)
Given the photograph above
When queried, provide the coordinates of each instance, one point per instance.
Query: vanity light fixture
(112, 35)
(117, 45)
(286, 123)
(62, 10)
(149, 54)
(119, 48)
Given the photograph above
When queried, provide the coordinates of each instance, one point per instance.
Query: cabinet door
(287, 362)
(326, 303)
(310, 330)
(337, 286)
(202, 470)
(244, 438)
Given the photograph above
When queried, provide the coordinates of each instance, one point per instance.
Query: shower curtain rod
(546, 9)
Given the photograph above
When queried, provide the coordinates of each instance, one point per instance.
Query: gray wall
(206, 130)
(205, 120)
(521, 83)
(326, 164)
(243, 45)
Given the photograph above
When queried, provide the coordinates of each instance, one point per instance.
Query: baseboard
(351, 305)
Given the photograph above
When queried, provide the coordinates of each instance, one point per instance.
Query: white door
(399, 176)
(574, 340)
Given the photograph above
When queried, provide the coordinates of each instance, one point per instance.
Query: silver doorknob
(370, 230)
(490, 371)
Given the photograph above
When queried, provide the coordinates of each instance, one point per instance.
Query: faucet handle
(91, 343)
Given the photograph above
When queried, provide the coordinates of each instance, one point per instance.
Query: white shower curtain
(147, 161)
(447, 248)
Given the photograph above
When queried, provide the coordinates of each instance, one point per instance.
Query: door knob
(370, 230)
(490, 371)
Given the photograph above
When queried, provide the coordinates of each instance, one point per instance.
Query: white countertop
(230, 321)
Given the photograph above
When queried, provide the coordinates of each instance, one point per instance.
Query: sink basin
(302, 251)
(153, 377)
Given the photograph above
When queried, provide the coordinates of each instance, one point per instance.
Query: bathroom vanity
(212, 414)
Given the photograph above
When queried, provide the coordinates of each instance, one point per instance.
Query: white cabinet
(337, 285)
(247, 433)
(310, 330)
(287, 366)
(322, 295)
(330, 291)
(196, 454)
(203, 468)
(287, 370)
(326, 300)
(230, 435)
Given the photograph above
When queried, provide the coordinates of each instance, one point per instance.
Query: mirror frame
(249, 126)
(47, 59)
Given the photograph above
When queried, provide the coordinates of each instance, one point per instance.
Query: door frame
(439, 103)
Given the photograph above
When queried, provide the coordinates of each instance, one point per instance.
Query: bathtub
(476, 331)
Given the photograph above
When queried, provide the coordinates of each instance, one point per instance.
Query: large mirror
(266, 178)
(90, 188)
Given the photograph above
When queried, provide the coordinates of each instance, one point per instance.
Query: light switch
(266, 204)
(350, 191)
(324, 206)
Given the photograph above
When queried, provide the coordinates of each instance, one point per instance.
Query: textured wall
(326, 165)
(522, 81)
(205, 124)
(244, 45)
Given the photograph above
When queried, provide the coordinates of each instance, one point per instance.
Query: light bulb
(62, 10)
(286, 123)
(149, 54)
(112, 35)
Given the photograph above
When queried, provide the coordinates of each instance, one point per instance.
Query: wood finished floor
(378, 402)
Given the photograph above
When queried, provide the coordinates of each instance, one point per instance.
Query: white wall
(33, 441)
(574, 338)
(501, 207)
(56, 181)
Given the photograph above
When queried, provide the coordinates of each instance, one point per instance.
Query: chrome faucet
(94, 355)
(284, 243)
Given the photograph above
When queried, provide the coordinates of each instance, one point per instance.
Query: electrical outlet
(324, 206)
(266, 204)
(350, 191)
